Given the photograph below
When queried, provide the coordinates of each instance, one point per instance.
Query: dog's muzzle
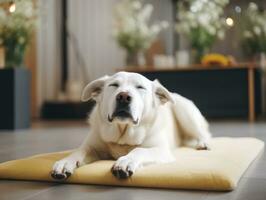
(122, 110)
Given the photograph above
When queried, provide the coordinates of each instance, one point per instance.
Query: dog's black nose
(123, 97)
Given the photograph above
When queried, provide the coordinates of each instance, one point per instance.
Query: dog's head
(126, 97)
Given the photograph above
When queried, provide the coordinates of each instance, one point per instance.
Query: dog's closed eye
(140, 87)
(114, 85)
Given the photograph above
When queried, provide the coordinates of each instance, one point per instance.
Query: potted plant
(253, 32)
(202, 22)
(132, 30)
(17, 20)
(253, 40)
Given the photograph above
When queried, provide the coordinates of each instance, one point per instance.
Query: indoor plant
(132, 29)
(17, 20)
(253, 29)
(202, 22)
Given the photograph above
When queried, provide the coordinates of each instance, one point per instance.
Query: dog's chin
(122, 117)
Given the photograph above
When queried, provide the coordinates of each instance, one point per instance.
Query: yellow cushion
(217, 169)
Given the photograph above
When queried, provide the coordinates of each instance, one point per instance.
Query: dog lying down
(137, 122)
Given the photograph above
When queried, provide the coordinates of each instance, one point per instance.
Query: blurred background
(213, 52)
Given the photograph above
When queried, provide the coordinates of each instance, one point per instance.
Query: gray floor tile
(10, 190)
(84, 192)
(257, 169)
(248, 189)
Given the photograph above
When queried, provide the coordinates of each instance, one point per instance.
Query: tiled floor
(51, 137)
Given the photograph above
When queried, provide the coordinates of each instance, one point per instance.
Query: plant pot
(135, 59)
(15, 98)
(197, 54)
(14, 54)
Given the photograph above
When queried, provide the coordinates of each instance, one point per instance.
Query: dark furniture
(66, 110)
(218, 92)
(15, 98)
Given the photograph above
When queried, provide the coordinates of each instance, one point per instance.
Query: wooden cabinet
(218, 92)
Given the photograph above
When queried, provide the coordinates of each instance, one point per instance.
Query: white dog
(137, 122)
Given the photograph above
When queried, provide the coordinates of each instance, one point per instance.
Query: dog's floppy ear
(161, 92)
(93, 89)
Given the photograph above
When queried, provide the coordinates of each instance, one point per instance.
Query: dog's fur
(153, 124)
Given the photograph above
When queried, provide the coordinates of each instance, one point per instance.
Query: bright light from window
(229, 21)
(12, 7)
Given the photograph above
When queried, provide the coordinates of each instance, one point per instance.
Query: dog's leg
(193, 125)
(126, 165)
(62, 169)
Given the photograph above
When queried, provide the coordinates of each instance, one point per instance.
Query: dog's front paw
(203, 146)
(197, 144)
(124, 167)
(62, 169)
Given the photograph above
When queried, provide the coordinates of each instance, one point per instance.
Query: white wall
(48, 51)
(91, 23)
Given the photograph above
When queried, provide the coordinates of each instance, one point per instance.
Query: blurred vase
(182, 58)
(198, 53)
(262, 60)
(162, 61)
(14, 54)
(135, 59)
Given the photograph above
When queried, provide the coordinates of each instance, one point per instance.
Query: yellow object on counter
(215, 59)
